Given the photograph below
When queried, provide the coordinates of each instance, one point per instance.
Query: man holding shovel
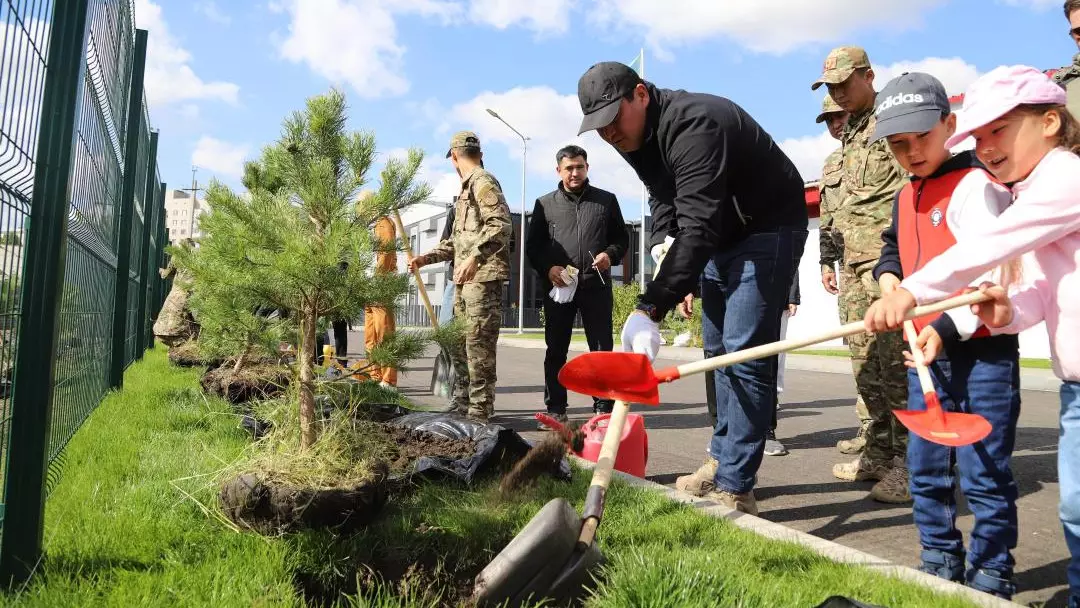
(479, 245)
(741, 217)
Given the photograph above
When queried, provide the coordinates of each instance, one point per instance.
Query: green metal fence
(81, 238)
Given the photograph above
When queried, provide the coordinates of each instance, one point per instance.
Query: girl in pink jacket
(1026, 138)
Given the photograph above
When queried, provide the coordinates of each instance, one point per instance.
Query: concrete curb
(829, 549)
(1030, 379)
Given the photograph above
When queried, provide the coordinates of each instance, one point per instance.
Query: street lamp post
(521, 245)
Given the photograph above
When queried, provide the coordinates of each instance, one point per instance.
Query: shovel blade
(951, 429)
(530, 563)
(619, 376)
(576, 578)
(442, 376)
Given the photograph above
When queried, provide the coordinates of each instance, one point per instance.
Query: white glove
(640, 334)
(659, 251)
(563, 295)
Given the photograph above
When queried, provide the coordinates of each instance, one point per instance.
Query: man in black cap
(736, 207)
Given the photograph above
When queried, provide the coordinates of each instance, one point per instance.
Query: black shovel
(442, 375)
(555, 553)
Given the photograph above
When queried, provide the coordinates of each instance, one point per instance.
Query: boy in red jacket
(974, 372)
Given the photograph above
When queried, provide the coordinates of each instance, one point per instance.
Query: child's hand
(929, 342)
(888, 283)
(888, 313)
(996, 313)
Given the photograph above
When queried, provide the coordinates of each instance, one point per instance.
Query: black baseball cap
(913, 102)
(599, 91)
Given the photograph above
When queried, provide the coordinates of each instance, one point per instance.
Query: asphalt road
(798, 490)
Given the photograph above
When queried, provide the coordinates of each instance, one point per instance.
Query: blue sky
(222, 75)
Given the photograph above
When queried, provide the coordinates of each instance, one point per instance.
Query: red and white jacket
(929, 215)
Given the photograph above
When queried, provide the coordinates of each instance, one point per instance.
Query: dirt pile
(254, 383)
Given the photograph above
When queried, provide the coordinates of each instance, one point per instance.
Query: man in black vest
(735, 204)
(576, 225)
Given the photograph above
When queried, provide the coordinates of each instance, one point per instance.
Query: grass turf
(126, 527)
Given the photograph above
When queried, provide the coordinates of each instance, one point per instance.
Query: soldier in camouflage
(831, 245)
(1069, 76)
(871, 178)
(479, 246)
(175, 323)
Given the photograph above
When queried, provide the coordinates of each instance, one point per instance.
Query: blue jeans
(981, 376)
(446, 310)
(1069, 479)
(742, 291)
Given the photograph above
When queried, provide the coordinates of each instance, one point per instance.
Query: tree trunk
(240, 360)
(307, 378)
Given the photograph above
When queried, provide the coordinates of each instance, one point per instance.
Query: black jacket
(565, 228)
(714, 176)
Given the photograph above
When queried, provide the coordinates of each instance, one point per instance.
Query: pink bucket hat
(1000, 90)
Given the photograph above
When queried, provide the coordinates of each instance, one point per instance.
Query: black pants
(595, 306)
(341, 342)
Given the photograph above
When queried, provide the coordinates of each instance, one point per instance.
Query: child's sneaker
(856, 444)
(992, 582)
(701, 481)
(943, 565)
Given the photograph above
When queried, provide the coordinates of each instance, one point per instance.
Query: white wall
(818, 311)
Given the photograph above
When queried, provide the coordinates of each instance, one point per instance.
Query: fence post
(127, 209)
(46, 245)
(153, 264)
(149, 200)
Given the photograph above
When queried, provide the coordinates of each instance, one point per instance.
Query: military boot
(856, 444)
(894, 488)
(744, 503)
(861, 469)
(701, 481)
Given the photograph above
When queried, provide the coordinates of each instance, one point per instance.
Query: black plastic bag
(494, 444)
(839, 601)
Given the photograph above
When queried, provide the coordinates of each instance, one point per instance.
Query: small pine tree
(298, 241)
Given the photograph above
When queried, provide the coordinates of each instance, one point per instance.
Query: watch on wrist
(650, 310)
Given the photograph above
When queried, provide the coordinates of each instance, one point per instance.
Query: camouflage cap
(828, 106)
(464, 139)
(840, 64)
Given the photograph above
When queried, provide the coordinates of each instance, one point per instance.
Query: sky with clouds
(222, 75)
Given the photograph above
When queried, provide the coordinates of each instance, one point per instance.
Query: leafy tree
(298, 241)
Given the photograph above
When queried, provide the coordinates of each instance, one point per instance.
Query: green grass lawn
(126, 526)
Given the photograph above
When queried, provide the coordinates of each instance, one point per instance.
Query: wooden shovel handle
(775, 348)
(920, 362)
(416, 271)
(609, 449)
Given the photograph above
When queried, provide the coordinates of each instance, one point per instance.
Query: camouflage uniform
(871, 177)
(482, 230)
(831, 245)
(1069, 77)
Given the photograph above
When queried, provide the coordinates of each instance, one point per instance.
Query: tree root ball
(255, 383)
(272, 508)
(186, 355)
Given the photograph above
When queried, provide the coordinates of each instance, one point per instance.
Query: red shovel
(935, 425)
(630, 377)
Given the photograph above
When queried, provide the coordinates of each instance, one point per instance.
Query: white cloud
(355, 41)
(955, 73)
(220, 157)
(774, 26)
(169, 78)
(1039, 5)
(551, 16)
(444, 181)
(551, 121)
(210, 10)
(809, 152)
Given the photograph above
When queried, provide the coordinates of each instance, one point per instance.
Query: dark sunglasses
(1075, 32)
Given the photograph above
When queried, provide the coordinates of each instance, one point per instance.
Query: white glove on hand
(659, 251)
(640, 334)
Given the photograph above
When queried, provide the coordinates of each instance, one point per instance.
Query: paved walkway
(798, 490)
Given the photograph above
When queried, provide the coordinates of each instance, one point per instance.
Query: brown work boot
(856, 444)
(744, 503)
(861, 469)
(700, 482)
(894, 488)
